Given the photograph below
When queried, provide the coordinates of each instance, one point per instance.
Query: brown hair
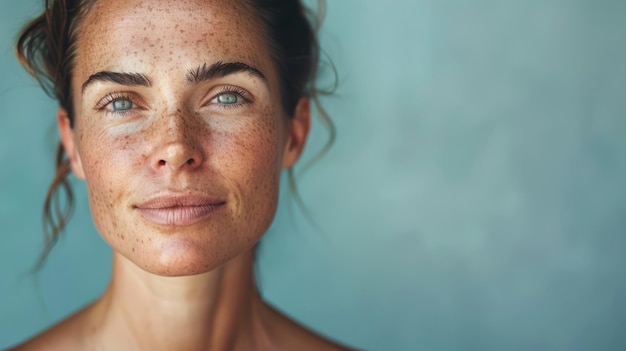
(46, 49)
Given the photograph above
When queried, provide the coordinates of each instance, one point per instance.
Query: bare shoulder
(294, 336)
(65, 335)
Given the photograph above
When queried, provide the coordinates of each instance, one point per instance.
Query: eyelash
(241, 93)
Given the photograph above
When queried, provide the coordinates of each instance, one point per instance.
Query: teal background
(474, 198)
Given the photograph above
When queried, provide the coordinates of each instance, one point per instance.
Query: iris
(122, 105)
(227, 98)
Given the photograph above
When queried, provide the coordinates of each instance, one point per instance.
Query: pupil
(227, 99)
(122, 105)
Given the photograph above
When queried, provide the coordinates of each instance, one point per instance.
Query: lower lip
(178, 216)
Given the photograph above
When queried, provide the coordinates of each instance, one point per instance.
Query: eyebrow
(122, 78)
(221, 69)
(194, 76)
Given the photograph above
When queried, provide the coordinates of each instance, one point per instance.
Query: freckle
(133, 249)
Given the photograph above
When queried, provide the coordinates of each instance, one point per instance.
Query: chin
(178, 256)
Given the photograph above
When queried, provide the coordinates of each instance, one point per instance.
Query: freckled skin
(237, 152)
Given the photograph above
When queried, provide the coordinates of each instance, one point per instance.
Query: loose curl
(46, 48)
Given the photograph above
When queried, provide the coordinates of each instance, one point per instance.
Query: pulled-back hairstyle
(46, 48)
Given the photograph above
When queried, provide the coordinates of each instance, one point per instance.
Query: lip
(178, 209)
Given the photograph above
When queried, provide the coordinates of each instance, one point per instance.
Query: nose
(179, 148)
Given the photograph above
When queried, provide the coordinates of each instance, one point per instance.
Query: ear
(69, 144)
(297, 132)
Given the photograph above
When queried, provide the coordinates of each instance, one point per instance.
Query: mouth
(178, 210)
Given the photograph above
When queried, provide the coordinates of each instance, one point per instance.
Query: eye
(230, 96)
(118, 103)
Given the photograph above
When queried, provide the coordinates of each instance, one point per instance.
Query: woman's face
(179, 131)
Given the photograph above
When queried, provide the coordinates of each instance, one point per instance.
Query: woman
(179, 116)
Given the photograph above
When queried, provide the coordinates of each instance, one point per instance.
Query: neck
(217, 310)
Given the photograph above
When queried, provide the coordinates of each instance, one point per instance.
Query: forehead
(144, 36)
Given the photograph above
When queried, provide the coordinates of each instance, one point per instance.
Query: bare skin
(182, 175)
(140, 312)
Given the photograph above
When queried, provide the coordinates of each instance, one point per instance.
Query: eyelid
(117, 95)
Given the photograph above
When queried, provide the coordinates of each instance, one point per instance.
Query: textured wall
(474, 198)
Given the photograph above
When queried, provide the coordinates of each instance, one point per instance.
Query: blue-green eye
(227, 98)
(121, 105)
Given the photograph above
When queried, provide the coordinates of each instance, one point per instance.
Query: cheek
(108, 163)
(249, 160)
(251, 156)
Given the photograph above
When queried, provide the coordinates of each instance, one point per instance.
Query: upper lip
(172, 200)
